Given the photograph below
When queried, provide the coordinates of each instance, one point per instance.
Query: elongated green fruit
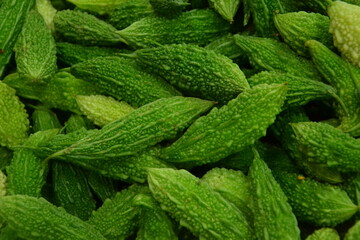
(35, 51)
(298, 27)
(14, 123)
(322, 143)
(169, 8)
(232, 185)
(354, 232)
(227, 130)
(70, 54)
(98, 6)
(198, 27)
(44, 119)
(227, 9)
(84, 28)
(7, 233)
(154, 223)
(117, 218)
(123, 79)
(226, 46)
(103, 187)
(344, 22)
(199, 208)
(47, 11)
(128, 12)
(145, 126)
(5, 157)
(324, 233)
(301, 90)
(270, 54)
(12, 17)
(71, 190)
(75, 122)
(36, 218)
(327, 205)
(343, 77)
(102, 109)
(3, 189)
(352, 188)
(263, 12)
(195, 70)
(273, 216)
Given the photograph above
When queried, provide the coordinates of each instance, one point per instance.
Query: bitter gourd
(5, 157)
(324, 233)
(47, 11)
(44, 119)
(36, 218)
(227, 130)
(226, 46)
(76, 122)
(344, 22)
(117, 218)
(271, 54)
(199, 208)
(71, 190)
(354, 232)
(12, 17)
(195, 70)
(70, 54)
(324, 144)
(199, 26)
(343, 77)
(103, 187)
(2, 184)
(298, 27)
(169, 8)
(35, 51)
(98, 6)
(145, 126)
(122, 79)
(84, 28)
(301, 90)
(227, 9)
(14, 123)
(128, 12)
(154, 224)
(314, 202)
(268, 203)
(352, 187)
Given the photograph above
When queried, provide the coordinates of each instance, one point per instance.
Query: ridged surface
(169, 8)
(226, 8)
(195, 70)
(344, 78)
(198, 208)
(324, 233)
(103, 187)
(271, 54)
(227, 130)
(198, 27)
(14, 123)
(354, 232)
(122, 79)
(35, 51)
(273, 216)
(44, 119)
(225, 46)
(98, 6)
(36, 218)
(3, 189)
(317, 203)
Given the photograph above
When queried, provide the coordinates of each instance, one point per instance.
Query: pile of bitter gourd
(179, 119)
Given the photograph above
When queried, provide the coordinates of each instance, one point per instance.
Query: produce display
(179, 119)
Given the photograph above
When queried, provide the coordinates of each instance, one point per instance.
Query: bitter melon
(2, 184)
(169, 8)
(76, 122)
(344, 22)
(324, 233)
(227, 9)
(344, 78)
(14, 123)
(269, 203)
(35, 218)
(5, 157)
(199, 26)
(314, 202)
(199, 208)
(103, 187)
(98, 6)
(298, 27)
(271, 54)
(195, 70)
(44, 119)
(122, 79)
(226, 46)
(354, 232)
(47, 11)
(227, 130)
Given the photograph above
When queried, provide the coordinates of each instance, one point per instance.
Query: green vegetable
(344, 22)
(44, 119)
(324, 233)
(227, 9)
(199, 208)
(195, 70)
(198, 27)
(12, 17)
(122, 79)
(169, 8)
(317, 203)
(103, 110)
(35, 218)
(5, 157)
(3, 188)
(273, 216)
(76, 122)
(98, 6)
(14, 123)
(227, 130)
(103, 187)
(47, 11)
(354, 232)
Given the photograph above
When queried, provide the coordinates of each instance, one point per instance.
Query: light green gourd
(354, 232)
(98, 6)
(324, 233)
(226, 8)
